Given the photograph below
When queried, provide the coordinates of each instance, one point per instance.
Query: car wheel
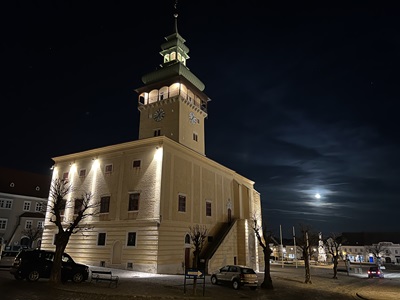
(235, 285)
(214, 279)
(33, 275)
(77, 278)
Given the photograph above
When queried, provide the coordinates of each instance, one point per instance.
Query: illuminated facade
(153, 189)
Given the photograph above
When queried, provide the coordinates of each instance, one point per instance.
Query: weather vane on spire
(176, 16)
(176, 9)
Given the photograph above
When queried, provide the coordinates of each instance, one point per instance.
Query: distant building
(153, 189)
(23, 198)
(357, 247)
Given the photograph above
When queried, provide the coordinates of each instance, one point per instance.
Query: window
(5, 203)
(82, 173)
(61, 206)
(157, 132)
(39, 206)
(208, 208)
(78, 206)
(3, 224)
(182, 203)
(40, 224)
(134, 201)
(105, 204)
(65, 175)
(27, 205)
(396, 251)
(131, 239)
(195, 137)
(136, 163)
(108, 169)
(28, 224)
(101, 239)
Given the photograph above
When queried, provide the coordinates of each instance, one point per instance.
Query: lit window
(28, 224)
(134, 201)
(136, 163)
(27, 205)
(131, 239)
(208, 208)
(166, 58)
(82, 173)
(101, 239)
(182, 203)
(109, 169)
(173, 55)
(105, 204)
(3, 224)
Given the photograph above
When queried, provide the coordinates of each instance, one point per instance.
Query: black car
(375, 272)
(35, 264)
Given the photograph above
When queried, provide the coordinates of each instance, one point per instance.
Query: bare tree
(84, 207)
(377, 250)
(264, 238)
(305, 242)
(198, 234)
(33, 234)
(333, 245)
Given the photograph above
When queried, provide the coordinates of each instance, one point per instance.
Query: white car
(236, 275)
(7, 258)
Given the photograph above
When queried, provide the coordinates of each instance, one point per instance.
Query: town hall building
(152, 190)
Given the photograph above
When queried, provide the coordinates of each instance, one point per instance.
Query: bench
(104, 276)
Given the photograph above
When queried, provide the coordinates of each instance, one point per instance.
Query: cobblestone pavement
(288, 284)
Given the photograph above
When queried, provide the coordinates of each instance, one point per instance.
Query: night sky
(304, 98)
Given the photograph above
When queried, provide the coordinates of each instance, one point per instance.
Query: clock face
(159, 114)
(192, 118)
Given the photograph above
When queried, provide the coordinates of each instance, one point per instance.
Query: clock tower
(172, 102)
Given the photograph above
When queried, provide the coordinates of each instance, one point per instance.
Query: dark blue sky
(304, 99)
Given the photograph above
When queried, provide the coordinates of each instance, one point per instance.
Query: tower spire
(176, 16)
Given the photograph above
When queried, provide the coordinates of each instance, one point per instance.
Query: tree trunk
(267, 283)
(335, 264)
(307, 267)
(61, 244)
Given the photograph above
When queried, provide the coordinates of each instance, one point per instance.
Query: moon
(318, 196)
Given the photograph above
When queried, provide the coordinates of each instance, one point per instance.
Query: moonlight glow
(317, 196)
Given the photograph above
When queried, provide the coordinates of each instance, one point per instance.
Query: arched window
(174, 90)
(163, 94)
(25, 242)
(173, 56)
(187, 239)
(166, 58)
(153, 96)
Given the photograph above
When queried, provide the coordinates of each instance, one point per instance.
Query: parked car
(7, 258)
(236, 275)
(375, 272)
(35, 264)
